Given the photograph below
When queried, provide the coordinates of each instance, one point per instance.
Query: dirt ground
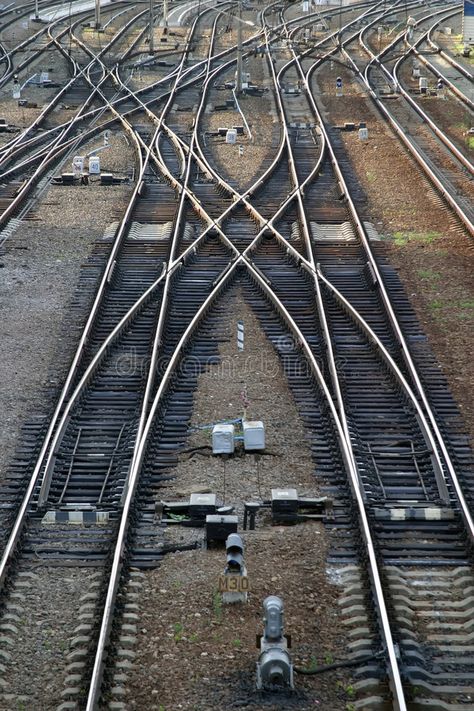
(196, 653)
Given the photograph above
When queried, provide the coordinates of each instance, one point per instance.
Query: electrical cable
(337, 665)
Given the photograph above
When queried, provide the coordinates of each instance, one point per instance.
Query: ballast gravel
(194, 652)
(39, 272)
(431, 251)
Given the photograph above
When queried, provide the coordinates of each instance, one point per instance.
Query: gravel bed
(253, 376)
(431, 251)
(193, 652)
(37, 668)
(226, 40)
(38, 277)
(117, 158)
(258, 113)
(446, 110)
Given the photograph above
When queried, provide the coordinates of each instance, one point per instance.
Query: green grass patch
(429, 274)
(466, 304)
(350, 691)
(217, 606)
(470, 142)
(459, 46)
(178, 631)
(436, 304)
(403, 238)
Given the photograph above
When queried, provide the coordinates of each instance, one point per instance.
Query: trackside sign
(468, 22)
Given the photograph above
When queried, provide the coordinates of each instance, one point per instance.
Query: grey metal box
(284, 503)
(218, 528)
(254, 434)
(223, 439)
(200, 505)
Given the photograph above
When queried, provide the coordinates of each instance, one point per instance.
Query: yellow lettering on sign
(233, 583)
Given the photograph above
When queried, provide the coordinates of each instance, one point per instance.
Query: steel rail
(77, 73)
(438, 72)
(96, 677)
(147, 89)
(454, 150)
(453, 479)
(431, 12)
(19, 13)
(6, 151)
(63, 424)
(437, 464)
(152, 86)
(410, 145)
(52, 154)
(144, 90)
(462, 69)
(385, 356)
(148, 152)
(307, 239)
(23, 12)
(8, 55)
(117, 564)
(163, 313)
(56, 148)
(393, 75)
(89, 373)
(121, 548)
(23, 509)
(426, 432)
(29, 40)
(394, 673)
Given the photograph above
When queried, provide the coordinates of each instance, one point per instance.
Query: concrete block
(75, 666)
(71, 691)
(124, 664)
(81, 640)
(128, 640)
(83, 628)
(8, 627)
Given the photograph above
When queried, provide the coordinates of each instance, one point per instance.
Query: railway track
(446, 166)
(381, 421)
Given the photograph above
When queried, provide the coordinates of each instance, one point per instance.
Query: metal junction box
(254, 435)
(284, 505)
(223, 439)
(200, 505)
(219, 528)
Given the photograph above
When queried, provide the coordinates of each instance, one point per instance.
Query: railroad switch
(288, 508)
(192, 513)
(274, 667)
